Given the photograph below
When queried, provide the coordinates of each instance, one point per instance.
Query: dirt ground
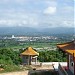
(16, 73)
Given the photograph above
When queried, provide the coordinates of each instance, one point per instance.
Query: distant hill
(59, 30)
(35, 31)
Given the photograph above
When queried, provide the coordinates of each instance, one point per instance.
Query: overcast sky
(37, 13)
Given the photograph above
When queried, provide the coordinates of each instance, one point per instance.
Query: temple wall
(24, 59)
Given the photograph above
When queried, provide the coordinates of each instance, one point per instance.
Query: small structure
(69, 49)
(13, 36)
(28, 55)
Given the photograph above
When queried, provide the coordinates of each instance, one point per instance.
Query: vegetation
(10, 53)
(14, 44)
(9, 60)
(51, 56)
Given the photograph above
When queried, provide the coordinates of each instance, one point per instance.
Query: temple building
(29, 55)
(68, 49)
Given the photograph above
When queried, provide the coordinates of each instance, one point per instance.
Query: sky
(37, 13)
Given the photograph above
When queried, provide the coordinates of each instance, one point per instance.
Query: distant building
(13, 36)
(29, 55)
(69, 49)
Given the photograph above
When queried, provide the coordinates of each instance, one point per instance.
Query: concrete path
(15, 73)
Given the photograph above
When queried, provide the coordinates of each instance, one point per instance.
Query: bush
(51, 56)
(9, 60)
(10, 68)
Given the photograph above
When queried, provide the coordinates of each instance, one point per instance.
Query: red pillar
(68, 60)
(74, 62)
(74, 65)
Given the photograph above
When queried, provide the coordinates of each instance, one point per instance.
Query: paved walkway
(43, 67)
(16, 73)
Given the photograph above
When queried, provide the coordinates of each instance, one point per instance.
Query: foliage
(9, 59)
(9, 55)
(10, 52)
(11, 68)
(51, 56)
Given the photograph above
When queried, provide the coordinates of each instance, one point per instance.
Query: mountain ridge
(27, 30)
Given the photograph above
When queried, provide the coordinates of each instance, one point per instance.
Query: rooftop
(30, 51)
(68, 47)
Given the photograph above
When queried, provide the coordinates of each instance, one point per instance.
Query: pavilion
(28, 55)
(69, 49)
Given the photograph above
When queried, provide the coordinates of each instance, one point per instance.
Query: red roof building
(69, 49)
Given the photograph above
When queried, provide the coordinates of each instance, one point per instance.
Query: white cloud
(67, 23)
(50, 10)
(11, 23)
(51, 3)
(29, 20)
(9, 1)
(68, 9)
(32, 12)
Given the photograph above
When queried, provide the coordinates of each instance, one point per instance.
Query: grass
(11, 68)
(14, 68)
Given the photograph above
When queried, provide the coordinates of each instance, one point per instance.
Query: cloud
(13, 1)
(51, 3)
(50, 10)
(67, 23)
(12, 23)
(36, 13)
(19, 19)
(68, 9)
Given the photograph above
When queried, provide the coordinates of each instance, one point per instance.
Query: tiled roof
(68, 47)
(30, 51)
